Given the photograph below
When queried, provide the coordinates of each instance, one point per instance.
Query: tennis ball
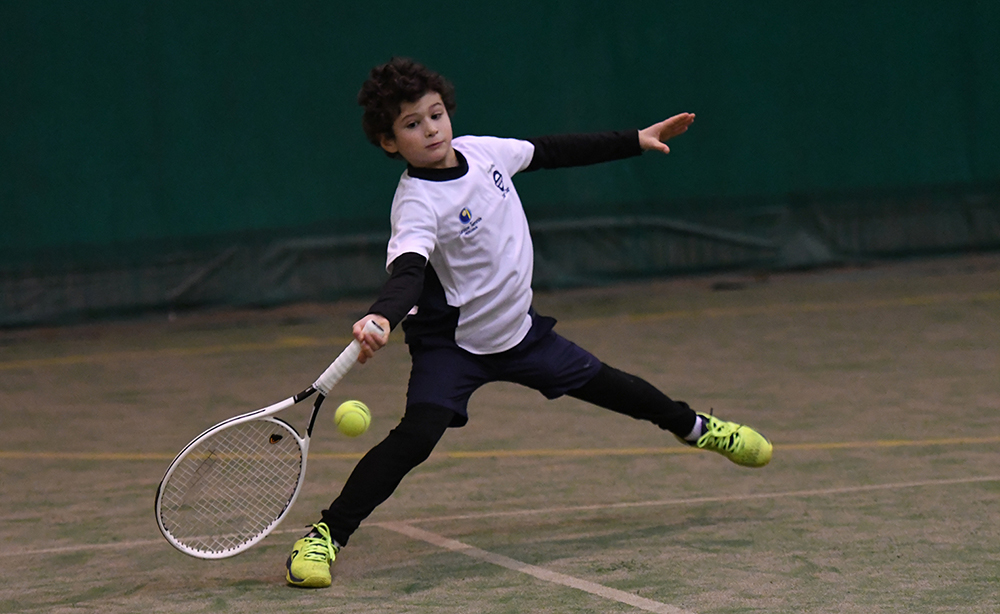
(352, 418)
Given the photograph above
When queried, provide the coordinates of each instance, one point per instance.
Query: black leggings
(380, 471)
(633, 396)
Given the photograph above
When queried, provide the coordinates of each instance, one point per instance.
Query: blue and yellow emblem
(465, 216)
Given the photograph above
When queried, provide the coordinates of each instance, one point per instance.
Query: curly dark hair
(389, 86)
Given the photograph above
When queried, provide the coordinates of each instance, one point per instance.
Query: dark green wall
(125, 121)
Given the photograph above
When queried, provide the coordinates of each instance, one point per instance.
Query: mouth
(435, 145)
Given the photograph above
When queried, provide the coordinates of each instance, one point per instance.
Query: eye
(411, 125)
(437, 115)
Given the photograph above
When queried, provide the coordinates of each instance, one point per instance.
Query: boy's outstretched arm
(566, 150)
(656, 136)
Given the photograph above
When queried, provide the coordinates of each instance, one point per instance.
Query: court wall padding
(158, 156)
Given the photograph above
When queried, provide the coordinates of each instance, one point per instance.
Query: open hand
(655, 136)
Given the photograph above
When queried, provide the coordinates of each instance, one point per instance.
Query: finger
(677, 131)
(680, 122)
(381, 338)
(375, 341)
(359, 331)
(670, 132)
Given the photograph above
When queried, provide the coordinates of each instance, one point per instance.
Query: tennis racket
(234, 483)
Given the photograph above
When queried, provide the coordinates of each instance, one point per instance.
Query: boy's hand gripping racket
(232, 485)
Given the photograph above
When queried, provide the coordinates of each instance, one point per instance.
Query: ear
(389, 144)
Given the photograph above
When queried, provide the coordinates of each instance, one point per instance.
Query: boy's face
(422, 134)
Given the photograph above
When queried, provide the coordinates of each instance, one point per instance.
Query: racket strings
(232, 486)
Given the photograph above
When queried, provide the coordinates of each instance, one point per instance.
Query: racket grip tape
(339, 367)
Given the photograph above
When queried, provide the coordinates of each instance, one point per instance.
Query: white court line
(138, 543)
(696, 500)
(554, 510)
(607, 592)
(541, 573)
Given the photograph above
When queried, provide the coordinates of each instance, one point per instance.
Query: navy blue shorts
(543, 360)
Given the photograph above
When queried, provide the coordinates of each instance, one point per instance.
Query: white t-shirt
(473, 231)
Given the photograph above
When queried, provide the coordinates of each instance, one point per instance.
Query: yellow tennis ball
(352, 418)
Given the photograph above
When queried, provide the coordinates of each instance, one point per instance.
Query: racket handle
(339, 367)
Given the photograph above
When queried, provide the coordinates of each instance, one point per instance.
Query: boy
(460, 262)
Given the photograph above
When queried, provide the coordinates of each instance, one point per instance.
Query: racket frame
(333, 374)
(265, 413)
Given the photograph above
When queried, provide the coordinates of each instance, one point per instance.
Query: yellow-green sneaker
(739, 443)
(309, 563)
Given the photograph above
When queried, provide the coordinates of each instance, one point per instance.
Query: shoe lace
(319, 548)
(721, 435)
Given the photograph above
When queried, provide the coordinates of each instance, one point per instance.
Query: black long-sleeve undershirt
(565, 150)
(402, 290)
(406, 280)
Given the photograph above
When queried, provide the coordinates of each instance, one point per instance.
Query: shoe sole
(309, 583)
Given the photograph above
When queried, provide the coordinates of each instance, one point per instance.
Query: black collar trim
(441, 174)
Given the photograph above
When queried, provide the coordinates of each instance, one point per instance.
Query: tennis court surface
(879, 386)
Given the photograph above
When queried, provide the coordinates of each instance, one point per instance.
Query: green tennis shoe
(739, 443)
(309, 563)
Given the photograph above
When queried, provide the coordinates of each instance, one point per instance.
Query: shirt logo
(498, 181)
(469, 225)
